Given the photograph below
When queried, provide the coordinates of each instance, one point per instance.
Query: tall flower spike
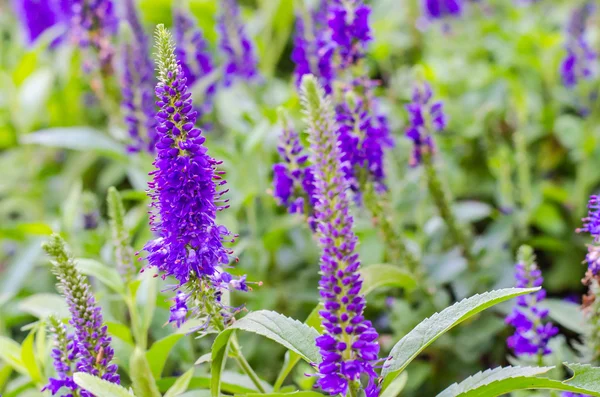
(349, 344)
(63, 357)
(186, 193)
(580, 61)
(238, 50)
(94, 353)
(293, 178)
(137, 86)
(124, 255)
(192, 53)
(94, 25)
(532, 332)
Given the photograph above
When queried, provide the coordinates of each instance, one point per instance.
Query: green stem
(244, 365)
(442, 202)
(141, 339)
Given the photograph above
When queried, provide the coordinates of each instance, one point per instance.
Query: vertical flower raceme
(63, 355)
(532, 332)
(425, 117)
(591, 225)
(350, 31)
(193, 54)
(92, 342)
(137, 85)
(440, 9)
(349, 344)
(186, 194)
(37, 16)
(94, 25)
(580, 61)
(293, 177)
(238, 50)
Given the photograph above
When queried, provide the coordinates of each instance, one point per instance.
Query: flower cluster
(63, 356)
(532, 333)
(349, 344)
(293, 179)
(185, 190)
(591, 225)
(580, 61)
(90, 344)
(137, 86)
(350, 31)
(425, 117)
(440, 9)
(192, 52)
(238, 50)
(38, 16)
(94, 24)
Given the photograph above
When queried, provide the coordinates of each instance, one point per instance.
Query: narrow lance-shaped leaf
(99, 387)
(424, 334)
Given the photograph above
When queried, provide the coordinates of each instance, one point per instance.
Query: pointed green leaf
(305, 393)
(10, 353)
(44, 305)
(181, 384)
(99, 387)
(424, 334)
(105, 274)
(77, 138)
(143, 382)
(501, 381)
(384, 275)
(292, 334)
(159, 352)
(28, 358)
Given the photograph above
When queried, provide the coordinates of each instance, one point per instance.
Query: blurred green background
(496, 70)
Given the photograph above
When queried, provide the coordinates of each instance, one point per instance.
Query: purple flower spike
(137, 86)
(293, 178)
(580, 61)
(91, 349)
(591, 225)
(350, 30)
(349, 344)
(193, 54)
(532, 332)
(238, 50)
(186, 193)
(37, 16)
(440, 9)
(424, 117)
(94, 25)
(63, 357)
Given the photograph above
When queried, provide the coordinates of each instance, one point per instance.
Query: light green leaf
(105, 274)
(231, 382)
(43, 305)
(501, 381)
(288, 332)
(28, 358)
(120, 331)
(100, 387)
(77, 138)
(10, 353)
(426, 332)
(19, 270)
(396, 387)
(181, 384)
(146, 297)
(143, 382)
(159, 352)
(293, 394)
(567, 314)
(384, 275)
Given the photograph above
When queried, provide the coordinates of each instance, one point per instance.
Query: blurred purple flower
(591, 225)
(580, 61)
(440, 9)
(36, 16)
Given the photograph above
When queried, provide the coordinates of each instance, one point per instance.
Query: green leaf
(292, 334)
(20, 270)
(100, 387)
(501, 381)
(181, 384)
(384, 275)
(143, 382)
(106, 275)
(28, 358)
(120, 331)
(426, 332)
(231, 382)
(567, 314)
(396, 387)
(43, 305)
(77, 138)
(159, 352)
(10, 353)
